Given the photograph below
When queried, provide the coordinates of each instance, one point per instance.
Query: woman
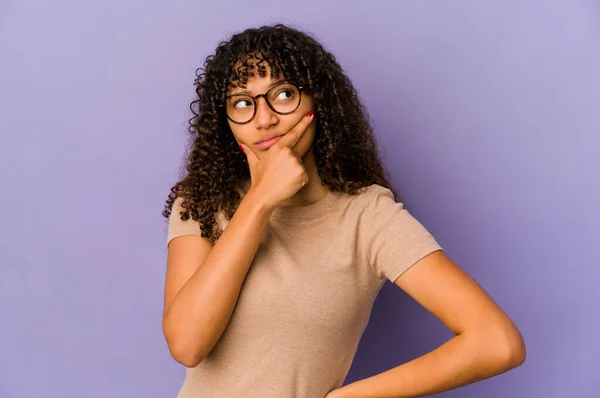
(283, 230)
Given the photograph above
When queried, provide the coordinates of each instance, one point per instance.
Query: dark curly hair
(345, 149)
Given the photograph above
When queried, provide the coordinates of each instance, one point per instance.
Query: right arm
(203, 281)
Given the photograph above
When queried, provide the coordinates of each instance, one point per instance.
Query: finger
(290, 139)
(252, 159)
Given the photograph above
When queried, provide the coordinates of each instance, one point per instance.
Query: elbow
(515, 352)
(182, 351)
(184, 356)
(510, 351)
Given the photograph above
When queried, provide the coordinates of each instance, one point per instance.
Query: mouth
(268, 137)
(268, 140)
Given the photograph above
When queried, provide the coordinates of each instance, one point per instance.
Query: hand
(336, 393)
(279, 174)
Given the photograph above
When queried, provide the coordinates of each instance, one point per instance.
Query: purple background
(487, 113)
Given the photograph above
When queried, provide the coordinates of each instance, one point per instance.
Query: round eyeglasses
(283, 98)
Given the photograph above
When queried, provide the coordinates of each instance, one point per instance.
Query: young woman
(284, 228)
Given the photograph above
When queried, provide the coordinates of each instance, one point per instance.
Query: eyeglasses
(284, 98)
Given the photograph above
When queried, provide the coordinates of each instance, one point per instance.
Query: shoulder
(366, 195)
(370, 202)
(181, 221)
(179, 206)
(182, 204)
(375, 190)
(375, 197)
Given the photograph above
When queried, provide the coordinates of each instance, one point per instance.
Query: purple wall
(488, 115)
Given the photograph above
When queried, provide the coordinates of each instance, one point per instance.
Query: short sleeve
(394, 239)
(178, 227)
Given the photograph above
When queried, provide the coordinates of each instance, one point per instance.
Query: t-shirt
(308, 294)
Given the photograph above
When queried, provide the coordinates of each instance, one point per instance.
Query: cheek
(233, 129)
(240, 135)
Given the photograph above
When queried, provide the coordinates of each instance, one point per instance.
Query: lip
(268, 140)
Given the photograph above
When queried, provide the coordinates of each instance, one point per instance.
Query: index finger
(290, 139)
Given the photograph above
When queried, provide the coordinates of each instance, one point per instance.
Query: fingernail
(310, 113)
(241, 148)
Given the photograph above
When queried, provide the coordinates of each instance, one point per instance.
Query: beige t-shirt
(307, 296)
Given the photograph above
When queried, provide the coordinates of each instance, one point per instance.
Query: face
(267, 122)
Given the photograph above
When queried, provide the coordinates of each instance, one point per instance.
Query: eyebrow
(246, 92)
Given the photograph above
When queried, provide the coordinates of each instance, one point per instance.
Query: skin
(486, 341)
(266, 121)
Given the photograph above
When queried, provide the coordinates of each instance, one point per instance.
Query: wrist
(258, 202)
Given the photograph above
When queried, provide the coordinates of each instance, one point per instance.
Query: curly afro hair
(345, 149)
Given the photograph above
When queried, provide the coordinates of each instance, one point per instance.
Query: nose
(265, 117)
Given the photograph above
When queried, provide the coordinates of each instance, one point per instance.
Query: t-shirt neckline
(303, 212)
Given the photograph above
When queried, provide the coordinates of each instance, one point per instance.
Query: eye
(284, 94)
(242, 103)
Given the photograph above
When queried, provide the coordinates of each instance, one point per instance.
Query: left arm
(486, 341)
